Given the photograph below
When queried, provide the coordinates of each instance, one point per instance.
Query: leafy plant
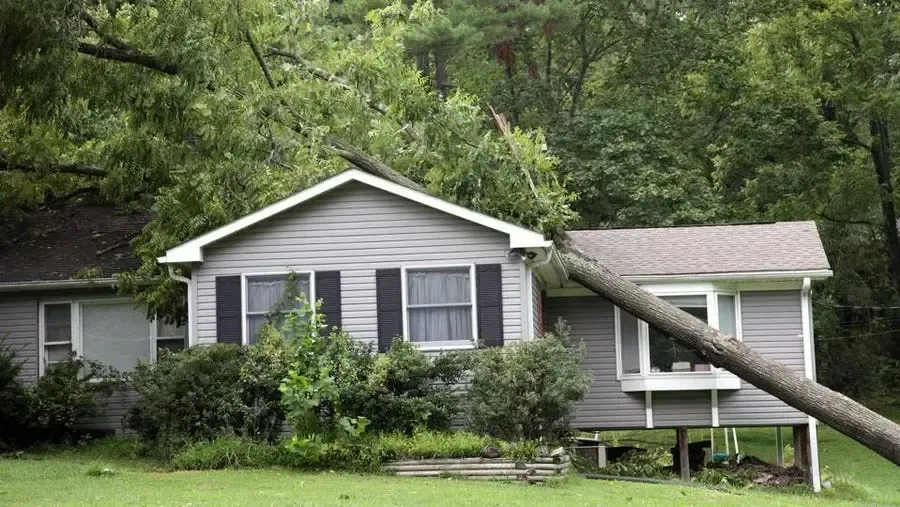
(16, 413)
(528, 390)
(655, 462)
(68, 392)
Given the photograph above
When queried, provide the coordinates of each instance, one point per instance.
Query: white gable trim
(192, 251)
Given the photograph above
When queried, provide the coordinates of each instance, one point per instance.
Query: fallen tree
(832, 408)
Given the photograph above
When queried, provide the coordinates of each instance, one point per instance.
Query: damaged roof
(76, 242)
(706, 249)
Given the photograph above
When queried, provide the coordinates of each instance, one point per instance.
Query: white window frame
(444, 345)
(245, 337)
(77, 332)
(715, 379)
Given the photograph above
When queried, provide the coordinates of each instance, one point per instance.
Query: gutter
(58, 284)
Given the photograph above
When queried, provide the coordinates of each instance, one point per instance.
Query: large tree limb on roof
(838, 411)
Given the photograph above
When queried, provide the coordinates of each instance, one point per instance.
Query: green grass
(107, 473)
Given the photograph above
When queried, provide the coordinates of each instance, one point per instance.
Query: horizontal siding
(605, 405)
(672, 409)
(111, 411)
(19, 331)
(772, 325)
(357, 229)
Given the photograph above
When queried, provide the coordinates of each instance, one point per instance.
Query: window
(273, 296)
(666, 355)
(111, 331)
(440, 306)
(648, 359)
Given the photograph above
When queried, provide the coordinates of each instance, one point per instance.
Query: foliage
(229, 452)
(528, 390)
(403, 389)
(67, 392)
(432, 444)
(16, 415)
(203, 393)
(654, 462)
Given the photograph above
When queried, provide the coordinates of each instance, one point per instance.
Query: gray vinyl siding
(772, 325)
(19, 331)
(111, 410)
(357, 229)
(605, 405)
(672, 409)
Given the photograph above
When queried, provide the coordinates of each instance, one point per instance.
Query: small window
(667, 355)
(57, 332)
(171, 337)
(271, 297)
(630, 342)
(439, 305)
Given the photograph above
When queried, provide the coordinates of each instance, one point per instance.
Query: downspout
(190, 301)
(809, 366)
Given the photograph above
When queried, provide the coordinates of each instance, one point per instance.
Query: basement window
(649, 360)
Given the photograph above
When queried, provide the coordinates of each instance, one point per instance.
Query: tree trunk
(841, 413)
(834, 409)
(881, 158)
(441, 77)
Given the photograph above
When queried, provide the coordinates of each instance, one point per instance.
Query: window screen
(115, 334)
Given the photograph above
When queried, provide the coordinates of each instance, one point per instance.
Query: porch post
(684, 458)
(801, 446)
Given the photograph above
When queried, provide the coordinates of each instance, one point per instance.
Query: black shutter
(328, 289)
(389, 302)
(490, 304)
(228, 309)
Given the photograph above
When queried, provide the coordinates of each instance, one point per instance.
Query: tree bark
(880, 149)
(34, 167)
(838, 411)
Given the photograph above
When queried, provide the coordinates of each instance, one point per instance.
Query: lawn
(77, 477)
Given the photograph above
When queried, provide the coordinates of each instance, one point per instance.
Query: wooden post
(681, 434)
(779, 447)
(801, 446)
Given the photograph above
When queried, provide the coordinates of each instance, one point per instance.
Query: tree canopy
(619, 113)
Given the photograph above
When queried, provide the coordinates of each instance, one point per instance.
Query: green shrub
(656, 462)
(204, 393)
(15, 415)
(66, 393)
(404, 389)
(529, 390)
(432, 444)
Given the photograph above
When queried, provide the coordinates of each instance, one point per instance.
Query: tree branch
(105, 37)
(259, 57)
(36, 167)
(329, 77)
(128, 56)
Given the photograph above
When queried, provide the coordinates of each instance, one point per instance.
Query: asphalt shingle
(707, 249)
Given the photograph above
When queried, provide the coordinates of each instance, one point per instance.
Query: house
(390, 261)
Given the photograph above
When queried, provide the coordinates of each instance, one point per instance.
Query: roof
(56, 245)
(192, 251)
(707, 250)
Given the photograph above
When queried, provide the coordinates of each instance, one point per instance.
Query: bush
(529, 390)
(49, 411)
(206, 392)
(67, 392)
(432, 444)
(405, 389)
(230, 452)
(16, 414)
(654, 463)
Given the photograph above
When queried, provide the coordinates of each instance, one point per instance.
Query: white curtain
(116, 334)
(427, 291)
(264, 294)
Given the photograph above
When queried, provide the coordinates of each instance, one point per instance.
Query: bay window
(271, 297)
(111, 331)
(439, 306)
(650, 360)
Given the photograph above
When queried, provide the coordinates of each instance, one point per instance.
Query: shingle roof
(55, 245)
(708, 249)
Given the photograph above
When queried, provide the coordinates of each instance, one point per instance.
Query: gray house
(390, 261)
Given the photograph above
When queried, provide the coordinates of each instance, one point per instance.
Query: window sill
(681, 382)
(444, 346)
